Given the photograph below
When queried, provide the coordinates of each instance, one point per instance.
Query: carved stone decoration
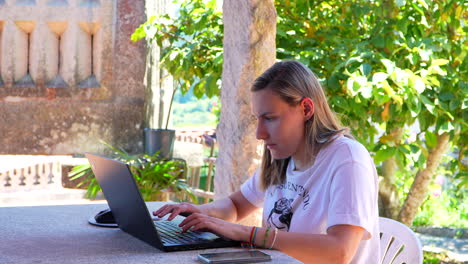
(58, 28)
(91, 29)
(24, 54)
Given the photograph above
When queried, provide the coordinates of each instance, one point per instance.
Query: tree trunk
(389, 200)
(159, 84)
(419, 188)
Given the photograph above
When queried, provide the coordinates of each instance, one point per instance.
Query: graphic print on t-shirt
(281, 214)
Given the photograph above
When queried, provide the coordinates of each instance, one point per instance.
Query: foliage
(152, 174)
(190, 111)
(387, 65)
(446, 204)
(439, 258)
(191, 45)
(385, 73)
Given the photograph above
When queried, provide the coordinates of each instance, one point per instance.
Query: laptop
(132, 215)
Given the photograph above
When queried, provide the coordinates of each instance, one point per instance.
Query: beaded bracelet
(266, 236)
(274, 238)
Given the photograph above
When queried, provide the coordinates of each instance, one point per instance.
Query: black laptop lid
(124, 198)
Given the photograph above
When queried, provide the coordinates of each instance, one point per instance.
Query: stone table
(61, 234)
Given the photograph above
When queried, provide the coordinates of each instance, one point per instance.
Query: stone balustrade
(32, 177)
(70, 76)
(193, 134)
(53, 44)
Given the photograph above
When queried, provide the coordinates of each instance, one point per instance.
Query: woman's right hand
(176, 209)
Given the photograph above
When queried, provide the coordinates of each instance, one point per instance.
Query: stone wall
(70, 76)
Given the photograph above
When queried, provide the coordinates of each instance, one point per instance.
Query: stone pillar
(249, 49)
(70, 76)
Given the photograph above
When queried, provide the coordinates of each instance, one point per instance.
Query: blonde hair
(293, 81)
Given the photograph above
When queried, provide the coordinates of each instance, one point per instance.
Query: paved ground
(456, 249)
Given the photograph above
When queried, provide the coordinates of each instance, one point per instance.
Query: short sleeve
(252, 192)
(353, 196)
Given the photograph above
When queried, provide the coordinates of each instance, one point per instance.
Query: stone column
(249, 49)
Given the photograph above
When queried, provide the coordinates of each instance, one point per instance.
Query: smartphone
(245, 256)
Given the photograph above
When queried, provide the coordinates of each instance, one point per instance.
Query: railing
(31, 177)
(46, 174)
(196, 135)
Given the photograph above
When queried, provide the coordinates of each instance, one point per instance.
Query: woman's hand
(176, 209)
(202, 222)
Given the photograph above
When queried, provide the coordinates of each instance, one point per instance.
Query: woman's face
(279, 125)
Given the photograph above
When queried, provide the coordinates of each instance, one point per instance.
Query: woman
(317, 186)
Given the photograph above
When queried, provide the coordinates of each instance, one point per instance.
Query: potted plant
(191, 55)
(154, 175)
(161, 140)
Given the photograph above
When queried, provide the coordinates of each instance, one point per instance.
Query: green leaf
(414, 58)
(414, 148)
(401, 159)
(401, 3)
(436, 70)
(428, 104)
(333, 82)
(211, 87)
(431, 139)
(378, 41)
(405, 149)
(425, 54)
(421, 163)
(454, 105)
(365, 69)
(446, 127)
(384, 154)
(446, 96)
(418, 84)
(439, 62)
(389, 65)
(378, 77)
(414, 105)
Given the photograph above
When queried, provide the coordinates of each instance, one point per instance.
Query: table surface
(61, 234)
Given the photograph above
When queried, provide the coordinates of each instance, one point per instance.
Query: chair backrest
(398, 243)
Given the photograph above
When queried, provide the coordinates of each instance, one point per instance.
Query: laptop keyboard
(171, 233)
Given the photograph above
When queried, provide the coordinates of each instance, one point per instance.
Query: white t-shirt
(340, 188)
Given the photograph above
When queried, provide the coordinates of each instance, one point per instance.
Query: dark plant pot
(161, 140)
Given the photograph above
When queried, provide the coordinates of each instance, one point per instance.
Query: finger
(170, 209)
(155, 213)
(175, 212)
(189, 218)
(190, 224)
(204, 225)
(164, 210)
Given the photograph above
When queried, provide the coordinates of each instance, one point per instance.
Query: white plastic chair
(398, 243)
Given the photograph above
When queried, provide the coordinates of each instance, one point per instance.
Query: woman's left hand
(201, 222)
